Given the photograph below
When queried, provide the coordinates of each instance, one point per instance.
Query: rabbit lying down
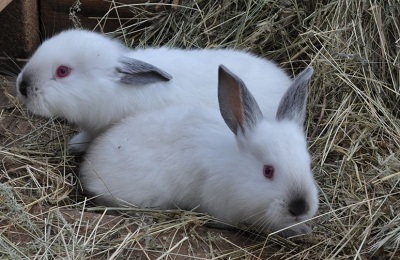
(94, 81)
(187, 157)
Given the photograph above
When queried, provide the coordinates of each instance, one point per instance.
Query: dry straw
(353, 128)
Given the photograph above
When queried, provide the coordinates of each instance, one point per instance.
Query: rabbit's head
(76, 72)
(281, 190)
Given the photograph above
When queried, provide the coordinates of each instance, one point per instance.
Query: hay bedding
(353, 128)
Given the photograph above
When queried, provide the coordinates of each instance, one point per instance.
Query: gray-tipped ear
(293, 102)
(237, 105)
(138, 72)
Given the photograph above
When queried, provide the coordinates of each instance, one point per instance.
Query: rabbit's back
(146, 158)
(195, 74)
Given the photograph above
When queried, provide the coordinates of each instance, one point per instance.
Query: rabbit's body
(171, 163)
(107, 81)
(186, 157)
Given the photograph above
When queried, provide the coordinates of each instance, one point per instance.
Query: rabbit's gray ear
(237, 105)
(293, 102)
(138, 72)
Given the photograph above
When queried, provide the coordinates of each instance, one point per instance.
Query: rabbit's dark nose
(23, 87)
(298, 207)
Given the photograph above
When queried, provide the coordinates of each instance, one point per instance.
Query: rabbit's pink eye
(268, 171)
(63, 71)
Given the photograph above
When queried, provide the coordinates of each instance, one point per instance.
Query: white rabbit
(94, 81)
(186, 157)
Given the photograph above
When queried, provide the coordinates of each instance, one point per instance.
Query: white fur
(94, 98)
(186, 157)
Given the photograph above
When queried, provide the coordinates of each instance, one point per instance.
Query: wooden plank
(19, 30)
(3, 4)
